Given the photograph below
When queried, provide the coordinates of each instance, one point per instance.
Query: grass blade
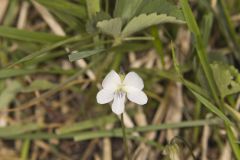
(118, 132)
(19, 129)
(233, 142)
(50, 47)
(158, 43)
(24, 35)
(201, 51)
(65, 7)
(211, 107)
(25, 149)
(228, 29)
(83, 54)
(87, 124)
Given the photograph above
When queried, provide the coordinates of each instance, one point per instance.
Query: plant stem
(125, 138)
(138, 39)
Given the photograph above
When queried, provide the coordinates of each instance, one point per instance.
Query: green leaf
(225, 79)
(160, 7)
(83, 54)
(111, 27)
(39, 85)
(9, 93)
(143, 21)
(24, 35)
(126, 9)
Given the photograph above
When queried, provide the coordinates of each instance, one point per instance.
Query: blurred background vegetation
(55, 54)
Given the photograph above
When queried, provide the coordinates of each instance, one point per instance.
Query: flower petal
(112, 80)
(137, 96)
(132, 79)
(105, 96)
(118, 103)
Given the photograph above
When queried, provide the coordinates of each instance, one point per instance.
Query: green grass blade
(207, 27)
(112, 133)
(224, 18)
(70, 20)
(118, 132)
(158, 43)
(87, 124)
(83, 54)
(189, 18)
(50, 47)
(212, 107)
(12, 12)
(208, 73)
(187, 83)
(192, 24)
(65, 7)
(48, 136)
(233, 142)
(196, 90)
(9, 73)
(24, 35)
(25, 149)
(19, 129)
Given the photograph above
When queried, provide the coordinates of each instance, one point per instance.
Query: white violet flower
(116, 88)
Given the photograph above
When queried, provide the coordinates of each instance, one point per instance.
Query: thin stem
(139, 39)
(125, 138)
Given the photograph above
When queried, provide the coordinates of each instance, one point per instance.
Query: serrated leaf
(161, 7)
(9, 93)
(83, 54)
(225, 77)
(111, 27)
(143, 21)
(126, 9)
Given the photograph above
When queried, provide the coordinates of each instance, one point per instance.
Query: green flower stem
(125, 138)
